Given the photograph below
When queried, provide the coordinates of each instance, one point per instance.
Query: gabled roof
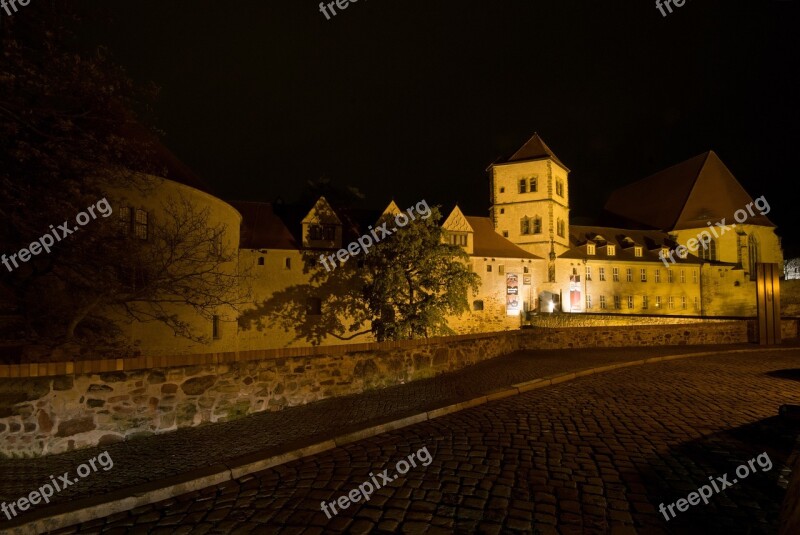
(322, 213)
(687, 195)
(534, 149)
(457, 221)
(651, 242)
(489, 243)
(261, 228)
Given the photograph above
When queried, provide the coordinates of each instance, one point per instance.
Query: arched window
(708, 248)
(537, 225)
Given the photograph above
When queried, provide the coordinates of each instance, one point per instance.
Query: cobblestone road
(594, 455)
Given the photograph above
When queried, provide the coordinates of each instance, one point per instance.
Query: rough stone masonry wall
(47, 415)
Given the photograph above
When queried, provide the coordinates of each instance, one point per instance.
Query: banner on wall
(512, 294)
(575, 293)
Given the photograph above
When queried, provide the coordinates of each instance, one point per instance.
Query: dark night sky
(411, 99)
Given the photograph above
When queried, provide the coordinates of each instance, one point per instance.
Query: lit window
(629, 274)
(615, 274)
(643, 275)
(477, 305)
(658, 301)
(644, 302)
(637, 251)
(590, 250)
(603, 301)
(708, 249)
(534, 184)
(124, 220)
(617, 302)
(611, 250)
(630, 301)
(140, 226)
(602, 274)
(523, 185)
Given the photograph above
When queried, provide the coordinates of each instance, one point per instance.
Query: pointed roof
(456, 221)
(534, 149)
(686, 195)
(322, 212)
(391, 209)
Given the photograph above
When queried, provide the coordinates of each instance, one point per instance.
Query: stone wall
(52, 414)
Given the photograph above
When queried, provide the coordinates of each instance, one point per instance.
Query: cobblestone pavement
(143, 460)
(594, 455)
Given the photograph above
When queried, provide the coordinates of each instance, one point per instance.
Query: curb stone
(63, 515)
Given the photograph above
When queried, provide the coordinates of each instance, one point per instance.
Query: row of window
(531, 185)
(611, 250)
(682, 302)
(533, 225)
(642, 275)
(501, 269)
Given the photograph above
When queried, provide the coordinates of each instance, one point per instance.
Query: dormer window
(637, 251)
(458, 238)
(611, 250)
(590, 249)
(322, 232)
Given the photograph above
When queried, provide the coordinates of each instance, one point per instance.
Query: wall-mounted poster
(512, 294)
(575, 293)
(526, 280)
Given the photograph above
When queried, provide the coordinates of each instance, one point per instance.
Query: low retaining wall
(52, 414)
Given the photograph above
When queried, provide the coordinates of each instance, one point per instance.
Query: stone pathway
(594, 455)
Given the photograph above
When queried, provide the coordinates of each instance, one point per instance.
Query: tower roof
(534, 149)
(686, 195)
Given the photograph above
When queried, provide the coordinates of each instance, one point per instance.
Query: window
(671, 302)
(314, 306)
(658, 301)
(287, 263)
(533, 182)
(670, 278)
(525, 269)
(477, 305)
(489, 268)
(523, 185)
(644, 302)
(559, 187)
(322, 232)
(683, 302)
(694, 276)
(603, 301)
(588, 302)
(502, 190)
(697, 303)
(637, 251)
(501, 270)
(708, 251)
(260, 260)
(502, 210)
(524, 226)
(590, 250)
(505, 234)
(588, 273)
(630, 301)
(615, 274)
(658, 275)
(561, 227)
(124, 220)
(458, 238)
(140, 225)
(602, 273)
(617, 302)
(683, 275)
(629, 274)
(643, 275)
(611, 250)
(537, 225)
(215, 334)
(215, 245)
